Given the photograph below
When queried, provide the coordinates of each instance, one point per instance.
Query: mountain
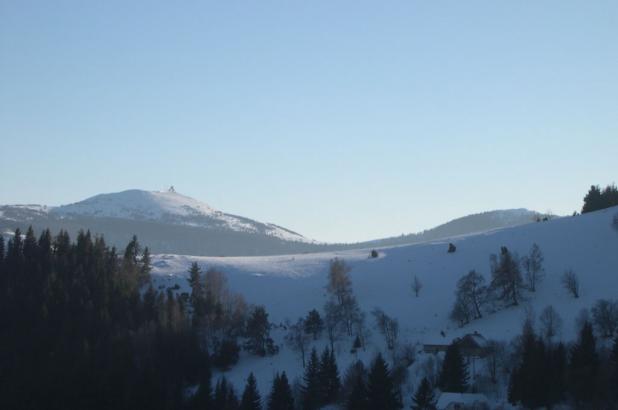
(166, 221)
(169, 222)
(475, 223)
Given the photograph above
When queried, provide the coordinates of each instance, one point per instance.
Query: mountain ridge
(170, 222)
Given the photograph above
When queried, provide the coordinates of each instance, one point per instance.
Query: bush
(226, 354)
(374, 253)
(570, 281)
(451, 248)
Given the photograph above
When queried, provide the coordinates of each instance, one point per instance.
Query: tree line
(79, 331)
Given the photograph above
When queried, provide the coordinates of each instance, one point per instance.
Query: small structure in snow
(471, 345)
(462, 401)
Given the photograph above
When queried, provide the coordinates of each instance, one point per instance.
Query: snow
(169, 206)
(289, 286)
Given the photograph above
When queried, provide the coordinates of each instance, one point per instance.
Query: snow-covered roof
(448, 398)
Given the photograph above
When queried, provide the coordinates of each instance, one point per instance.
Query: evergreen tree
(281, 397)
(506, 277)
(232, 400)
(454, 374)
(1, 248)
(221, 394)
(203, 397)
(557, 374)
(258, 333)
(329, 377)
(583, 366)
(314, 324)
(198, 297)
(381, 390)
(529, 384)
(358, 399)
(592, 200)
(311, 388)
(614, 369)
(424, 399)
(251, 399)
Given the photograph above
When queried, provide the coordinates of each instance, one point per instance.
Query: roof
(447, 398)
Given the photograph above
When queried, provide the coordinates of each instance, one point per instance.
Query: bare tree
(388, 326)
(533, 265)
(551, 323)
(340, 288)
(339, 282)
(332, 322)
(297, 339)
(570, 281)
(416, 285)
(605, 317)
(472, 290)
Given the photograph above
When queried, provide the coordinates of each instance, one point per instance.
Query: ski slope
(289, 286)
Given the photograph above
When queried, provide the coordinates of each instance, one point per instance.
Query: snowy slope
(169, 207)
(289, 286)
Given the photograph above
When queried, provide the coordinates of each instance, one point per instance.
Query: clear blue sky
(343, 120)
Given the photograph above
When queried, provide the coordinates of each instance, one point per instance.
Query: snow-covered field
(289, 286)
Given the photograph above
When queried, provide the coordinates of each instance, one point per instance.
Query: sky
(341, 120)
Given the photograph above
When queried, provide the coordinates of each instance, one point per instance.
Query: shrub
(451, 248)
(374, 253)
(226, 354)
(570, 281)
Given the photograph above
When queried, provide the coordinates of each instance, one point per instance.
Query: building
(462, 401)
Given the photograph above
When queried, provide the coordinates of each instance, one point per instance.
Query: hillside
(289, 286)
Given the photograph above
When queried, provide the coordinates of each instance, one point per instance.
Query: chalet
(472, 345)
(462, 401)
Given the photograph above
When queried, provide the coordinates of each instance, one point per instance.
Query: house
(462, 401)
(472, 345)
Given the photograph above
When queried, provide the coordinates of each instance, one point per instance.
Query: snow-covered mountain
(165, 221)
(469, 224)
(169, 222)
(169, 207)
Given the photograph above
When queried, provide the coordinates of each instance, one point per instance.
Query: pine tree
(381, 391)
(592, 200)
(583, 366)
(358, 399)
(329, 377)
(424, 399)
(1, 248)
(220, 398)
(251, 399)
(258, 333)
(614, 369)
(529, 384)
(310, 393)
(145, 266)
(203, 397)
(557, 374)
(232, 400)
(281, 397)
(506, 276)
(454, 374)
(197, 297)
(314, 324)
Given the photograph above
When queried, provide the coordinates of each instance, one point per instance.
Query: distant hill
(169, 222)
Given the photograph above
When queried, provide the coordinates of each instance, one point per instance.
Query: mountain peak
(138, 204)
